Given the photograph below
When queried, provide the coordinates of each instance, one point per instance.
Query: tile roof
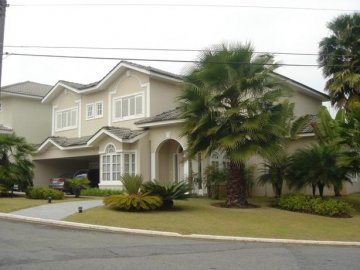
(308, 128)
(80, 86)
(165, 116)
(174, 115)
(121, 133)
(68, 142)
(27, 88)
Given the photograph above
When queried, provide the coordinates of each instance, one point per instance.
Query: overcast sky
(270, 29)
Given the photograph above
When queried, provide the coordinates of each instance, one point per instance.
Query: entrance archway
(170, 161)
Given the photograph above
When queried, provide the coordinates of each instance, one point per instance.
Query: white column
(153, 166)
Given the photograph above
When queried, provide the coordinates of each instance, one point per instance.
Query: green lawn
(197, 216)
(8, 205)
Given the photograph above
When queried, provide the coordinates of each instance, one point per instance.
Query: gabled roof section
(305, 88)
(108, 78)
(27, 89)
(121, 134)
(170, 116)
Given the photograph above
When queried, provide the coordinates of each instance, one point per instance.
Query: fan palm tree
(15, 164)
(229, 103)
(339, 56)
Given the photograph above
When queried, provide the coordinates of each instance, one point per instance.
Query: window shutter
(139, 105)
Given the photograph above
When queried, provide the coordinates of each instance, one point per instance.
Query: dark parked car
(59, 182)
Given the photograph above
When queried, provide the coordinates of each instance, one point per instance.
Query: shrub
(76, 185)
(168, 192)
(314, 205)
(44, 193)
(100, 192)
(132, 183)
(133, 202)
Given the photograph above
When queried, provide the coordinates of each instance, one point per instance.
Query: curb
(74, 225)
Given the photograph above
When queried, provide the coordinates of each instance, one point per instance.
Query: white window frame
(111, 155)
(94, 110)
(128, 117)
(69, 127)
(220, 162)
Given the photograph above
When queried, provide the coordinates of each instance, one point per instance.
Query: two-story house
(127, 122)
(22, 112)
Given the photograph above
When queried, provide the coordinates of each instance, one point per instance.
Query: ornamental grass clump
(133, 199)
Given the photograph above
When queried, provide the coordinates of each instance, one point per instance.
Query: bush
(133, 202)
(44, 193)
(132, 183)
(75, 185)
(314, 205)
(168, 192)
(100, 192)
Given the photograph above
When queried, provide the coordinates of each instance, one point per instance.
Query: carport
(53, 160)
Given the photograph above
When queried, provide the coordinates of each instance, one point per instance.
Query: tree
(318, 166)
(339, 133)
(229, 104)
(15, 161)
(339, 56)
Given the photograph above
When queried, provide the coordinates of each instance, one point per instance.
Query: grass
(197, 216)
(8, 204)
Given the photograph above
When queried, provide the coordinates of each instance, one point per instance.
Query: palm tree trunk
(236, 187)
(321, 189)
(199, 170)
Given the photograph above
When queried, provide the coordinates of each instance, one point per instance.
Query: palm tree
(229, 103)
(339, 56)
(15, 163)
(319, 166)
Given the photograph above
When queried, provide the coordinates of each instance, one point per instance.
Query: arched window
(114, 164)
(215, 159)
(219, 160)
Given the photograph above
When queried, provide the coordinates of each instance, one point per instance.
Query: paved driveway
(57, 211)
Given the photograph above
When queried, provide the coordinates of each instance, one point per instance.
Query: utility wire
(140, 49)
(152, 60)
(180, 5)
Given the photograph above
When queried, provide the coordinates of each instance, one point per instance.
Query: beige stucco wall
(28, 117)
(163, 96)
(66, 100)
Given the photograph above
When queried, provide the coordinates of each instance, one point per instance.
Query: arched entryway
(170, 162)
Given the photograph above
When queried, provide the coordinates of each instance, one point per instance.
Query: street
(33, 246)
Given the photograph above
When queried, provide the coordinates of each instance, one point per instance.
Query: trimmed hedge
(100, 192)
(42, 193)
(314, 205)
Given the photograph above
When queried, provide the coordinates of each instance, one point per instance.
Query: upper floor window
(66, 119)
(128, 107)
(94, 110)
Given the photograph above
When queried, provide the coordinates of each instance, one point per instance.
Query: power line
(141, 49)
(180, 5)
(151, 60)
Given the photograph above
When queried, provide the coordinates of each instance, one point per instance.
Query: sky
(149, 25)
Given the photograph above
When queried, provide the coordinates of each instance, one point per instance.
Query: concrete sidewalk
(57, 211)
